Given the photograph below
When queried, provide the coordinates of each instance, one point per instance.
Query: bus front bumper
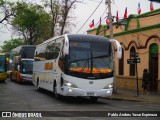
(68, 91)
(26, 79)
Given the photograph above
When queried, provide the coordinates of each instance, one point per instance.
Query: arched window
(121, 64)
(132, 66)
(153, 66)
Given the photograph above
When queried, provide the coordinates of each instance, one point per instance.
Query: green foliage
(10, 44)
(32, 22)
(1, 2)
(36, 23)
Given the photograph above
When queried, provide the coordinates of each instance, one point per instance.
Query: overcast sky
(85, 9)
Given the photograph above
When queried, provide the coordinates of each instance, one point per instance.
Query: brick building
(141, 34)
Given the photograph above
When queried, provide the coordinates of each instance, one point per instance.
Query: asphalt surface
(130, 95)
(25, 98)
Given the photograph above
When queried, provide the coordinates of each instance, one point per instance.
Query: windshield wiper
(80, 60)
(86, 63)
(102, 56)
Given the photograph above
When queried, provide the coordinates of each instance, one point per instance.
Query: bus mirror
(18, 67)
(10, 61)
(66, 47)
(119, 48)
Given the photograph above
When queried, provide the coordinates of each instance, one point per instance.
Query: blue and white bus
(3, 67)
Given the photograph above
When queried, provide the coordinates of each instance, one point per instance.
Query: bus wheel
(11, 76)
(57, 96)
(93, 99)
(38, 88)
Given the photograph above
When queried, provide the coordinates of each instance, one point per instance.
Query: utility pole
(108, 2)
(110, 18)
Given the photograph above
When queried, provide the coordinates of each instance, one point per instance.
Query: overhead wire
(90, 16)
(94, 1)
(101, 19)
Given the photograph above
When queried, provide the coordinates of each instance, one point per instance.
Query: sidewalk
(129, 95)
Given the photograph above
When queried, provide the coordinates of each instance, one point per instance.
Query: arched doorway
(153, 66)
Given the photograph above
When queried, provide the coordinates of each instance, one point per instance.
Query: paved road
(25, 97)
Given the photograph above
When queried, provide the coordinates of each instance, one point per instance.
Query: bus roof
(88, 37)
(78, 36)
(49, 40)
(17, 49)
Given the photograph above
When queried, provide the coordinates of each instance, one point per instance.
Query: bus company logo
(6, 114)
(90, 82)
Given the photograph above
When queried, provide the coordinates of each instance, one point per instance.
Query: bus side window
(39, 56)
(62, 57)
(53, 49)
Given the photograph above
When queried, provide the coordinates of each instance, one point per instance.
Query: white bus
(75, 65)
(22, 58)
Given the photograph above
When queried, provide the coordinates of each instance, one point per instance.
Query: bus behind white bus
(22, 58)
(75, 65)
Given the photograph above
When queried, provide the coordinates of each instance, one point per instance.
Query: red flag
(139, 9)
(117, 18)
(151, 6)
(107, 22)
(91, 24)
(125, 13)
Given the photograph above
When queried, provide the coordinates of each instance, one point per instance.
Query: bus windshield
(26, 67)
(90, 59)
(27, 52)
(2, 63)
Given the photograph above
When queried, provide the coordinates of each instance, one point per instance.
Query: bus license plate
(90, 94)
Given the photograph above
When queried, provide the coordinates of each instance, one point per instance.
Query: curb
(133, 98)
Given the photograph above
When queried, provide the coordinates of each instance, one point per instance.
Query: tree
(6, 11)
(66, 6)
(31, 22)
(53, 8)
(54, 12)
(11, 44)
(60, 13)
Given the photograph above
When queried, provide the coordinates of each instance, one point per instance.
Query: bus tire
(93, 99)
(11, 76)
(57, 96)
(38, 88)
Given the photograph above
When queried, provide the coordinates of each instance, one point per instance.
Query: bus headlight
(108, 86)
(69, 84)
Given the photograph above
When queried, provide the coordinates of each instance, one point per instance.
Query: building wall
(147, 21)
(139, 41)
(140, 31)
(132, 24)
